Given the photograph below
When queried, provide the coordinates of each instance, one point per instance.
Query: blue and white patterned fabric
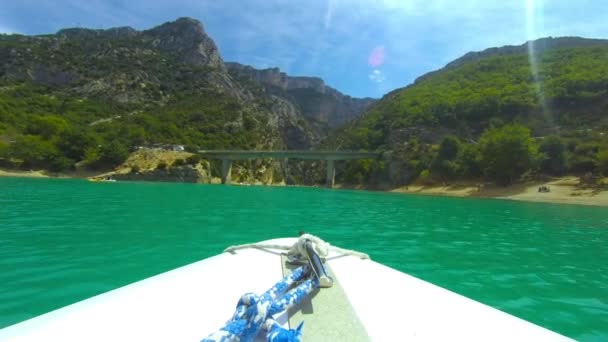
(254, 313)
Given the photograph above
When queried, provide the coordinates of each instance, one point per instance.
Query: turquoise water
(66, 240)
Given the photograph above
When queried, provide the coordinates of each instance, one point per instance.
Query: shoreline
(45, 174)
(26, 174)
(564, 190)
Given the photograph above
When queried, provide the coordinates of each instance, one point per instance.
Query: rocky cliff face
(122, 63)
(186, 38)
(309, 95)
(153, 70)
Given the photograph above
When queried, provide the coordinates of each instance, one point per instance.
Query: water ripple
(66, 240)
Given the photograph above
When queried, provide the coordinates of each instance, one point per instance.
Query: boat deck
(190, 302)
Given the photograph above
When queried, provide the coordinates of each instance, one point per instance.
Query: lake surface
(66, 240)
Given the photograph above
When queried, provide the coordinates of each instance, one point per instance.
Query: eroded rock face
(187, 38)
(309, 95)
(171, 64)
(297, 133)
(179, 174)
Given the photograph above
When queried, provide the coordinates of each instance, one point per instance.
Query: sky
(364, 48)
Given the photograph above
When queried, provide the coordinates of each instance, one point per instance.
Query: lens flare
(376, 57)
(533, 21)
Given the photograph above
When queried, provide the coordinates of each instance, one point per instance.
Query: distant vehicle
(161, 147)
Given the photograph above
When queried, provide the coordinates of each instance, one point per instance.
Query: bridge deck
(294, 154)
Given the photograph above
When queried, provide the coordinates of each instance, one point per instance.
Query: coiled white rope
(322, 248)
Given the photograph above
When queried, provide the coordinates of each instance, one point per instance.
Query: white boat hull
(190, 302)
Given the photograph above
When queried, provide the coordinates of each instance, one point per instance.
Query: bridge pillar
(331, 173)
(226, 169)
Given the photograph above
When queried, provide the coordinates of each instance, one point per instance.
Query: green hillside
(562, 92)
(90, 96)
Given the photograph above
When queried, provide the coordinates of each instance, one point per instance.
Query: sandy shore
(563, 190)
(15, 173)
(46, 174)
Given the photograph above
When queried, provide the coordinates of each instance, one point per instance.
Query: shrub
(602, 162)
(3, 150)
(469, 160)
(135, 169)
(584, 158)
(444, 164)
(112, 153)
(162, 165)
(553, 155)
(179, 162)
(425, 177)
(61, 163)
(506, 153)
(193, 159)
(34, 151)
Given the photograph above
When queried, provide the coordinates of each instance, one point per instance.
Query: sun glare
(534, 16)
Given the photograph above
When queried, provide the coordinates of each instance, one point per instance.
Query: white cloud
(377, 76)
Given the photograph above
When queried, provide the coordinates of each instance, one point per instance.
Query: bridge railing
(227, 156)
(290, 154)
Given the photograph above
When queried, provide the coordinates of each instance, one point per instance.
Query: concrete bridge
(227, 156)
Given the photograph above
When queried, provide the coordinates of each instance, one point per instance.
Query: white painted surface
(188, 303)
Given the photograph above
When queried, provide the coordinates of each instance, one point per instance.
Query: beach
(16, 173)
(45, 174)
(565, 190)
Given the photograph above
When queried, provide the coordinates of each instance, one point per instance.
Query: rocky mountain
(310, 95)
(88, 96)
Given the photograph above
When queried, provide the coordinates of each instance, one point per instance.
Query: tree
(584, 158)
(506, 153)
(112, 153)
(553, 160)
(73, 143)
(444, 164)
(448, 150)
(47, 126)
(4, 150)
(602, 161)
(179, 162)
(469, 160)
(193, 159)
(60, 163)
(33, 151)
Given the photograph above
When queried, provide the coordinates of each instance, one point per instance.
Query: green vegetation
(89, 98)
(506, 153)
(553, 151)
(97, 96)
(492, 117)
(602, 161)
(179, 162)
(445, 162)
(193, 159)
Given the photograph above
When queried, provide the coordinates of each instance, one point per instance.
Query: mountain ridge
(539, 46)
(563, 96)
(322, 103)
(169, 85)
